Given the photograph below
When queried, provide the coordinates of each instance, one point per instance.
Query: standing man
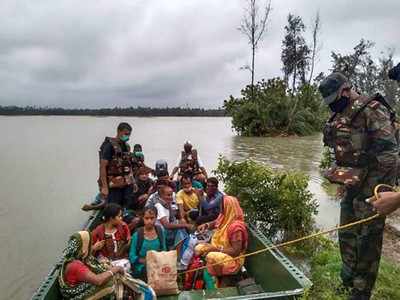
(116, 180)
(362, 134)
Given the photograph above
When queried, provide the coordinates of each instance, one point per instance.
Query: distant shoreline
(113, 112)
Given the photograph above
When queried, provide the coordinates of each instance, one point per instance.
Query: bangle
(207, 225)
(221, 249)
(112, 274)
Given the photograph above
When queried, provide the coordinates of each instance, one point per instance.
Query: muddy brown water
(49, 167)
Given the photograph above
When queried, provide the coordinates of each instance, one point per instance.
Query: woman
(149, 237)
(229, 240)
(82, 276)
(112, 238)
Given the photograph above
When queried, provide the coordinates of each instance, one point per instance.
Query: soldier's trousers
(361, 245)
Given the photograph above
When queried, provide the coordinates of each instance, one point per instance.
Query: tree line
(116, 111)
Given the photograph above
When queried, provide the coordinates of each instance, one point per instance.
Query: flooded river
(49, 169)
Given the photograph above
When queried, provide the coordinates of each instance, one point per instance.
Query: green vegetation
(273, 110)
(116, 111)
(278, 200)
(325, 264)
(327, 159)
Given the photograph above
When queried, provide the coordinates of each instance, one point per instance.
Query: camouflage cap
(330, 86)
(394, 73)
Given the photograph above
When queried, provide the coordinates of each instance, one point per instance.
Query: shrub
(277, 201)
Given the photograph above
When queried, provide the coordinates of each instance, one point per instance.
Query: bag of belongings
(162, 273)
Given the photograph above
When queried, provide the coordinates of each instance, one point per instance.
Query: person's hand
(104, 192)
(117, 269)
(202, 228)
(143, 198)
(386, 203)
(142, 260)
(98, 245)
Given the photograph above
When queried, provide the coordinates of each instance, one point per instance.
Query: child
(145, 189)
(187, 197)
(112, 238)
(149, 237)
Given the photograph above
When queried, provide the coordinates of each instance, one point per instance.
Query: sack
(161, 272)
(348, 176)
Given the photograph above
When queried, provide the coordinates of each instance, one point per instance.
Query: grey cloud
(106, 53)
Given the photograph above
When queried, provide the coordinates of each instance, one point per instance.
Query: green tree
(295, 52)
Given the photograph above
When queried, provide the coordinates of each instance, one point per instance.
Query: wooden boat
(277, 276)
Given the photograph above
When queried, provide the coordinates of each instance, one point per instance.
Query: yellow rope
(365, 220)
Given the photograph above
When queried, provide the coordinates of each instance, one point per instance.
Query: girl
(149, 237)
(112, 238)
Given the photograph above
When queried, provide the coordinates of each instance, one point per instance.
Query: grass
(325, 263)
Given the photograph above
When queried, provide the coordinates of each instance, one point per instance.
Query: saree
(79, 248)
(228, 224)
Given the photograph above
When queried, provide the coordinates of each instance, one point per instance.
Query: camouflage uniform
(363, 137)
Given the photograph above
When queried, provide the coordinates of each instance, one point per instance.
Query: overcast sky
(105, 53)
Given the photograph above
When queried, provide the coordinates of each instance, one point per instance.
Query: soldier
(116, 180)
(362, 135)
(388, 202)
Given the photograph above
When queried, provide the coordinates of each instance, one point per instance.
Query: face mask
(339, 105)
(124, 138)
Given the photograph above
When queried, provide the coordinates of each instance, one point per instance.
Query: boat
(272, 270)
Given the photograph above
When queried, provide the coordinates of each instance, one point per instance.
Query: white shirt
(162, 212)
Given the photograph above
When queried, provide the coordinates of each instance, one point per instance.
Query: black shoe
(359, 295)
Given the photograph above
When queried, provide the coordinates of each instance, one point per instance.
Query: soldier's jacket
(364, 141)
(119, 169)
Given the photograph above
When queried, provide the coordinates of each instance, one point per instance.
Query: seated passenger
(186, 198)
(210, 205)
(112, 238)
(229, 239)
(175, 229)
(82, 276)
(138, 160)
(145, 189)
(149, 237)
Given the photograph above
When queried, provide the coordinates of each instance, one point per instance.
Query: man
(175, 230)
(362, 135)
(189, 163)
(116, 180)
(210, 205)
(388, 202)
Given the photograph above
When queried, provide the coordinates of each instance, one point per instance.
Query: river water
(49, 168)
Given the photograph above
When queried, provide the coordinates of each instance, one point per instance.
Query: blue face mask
(124, 138)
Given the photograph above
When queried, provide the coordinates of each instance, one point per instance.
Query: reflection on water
(50, 167)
